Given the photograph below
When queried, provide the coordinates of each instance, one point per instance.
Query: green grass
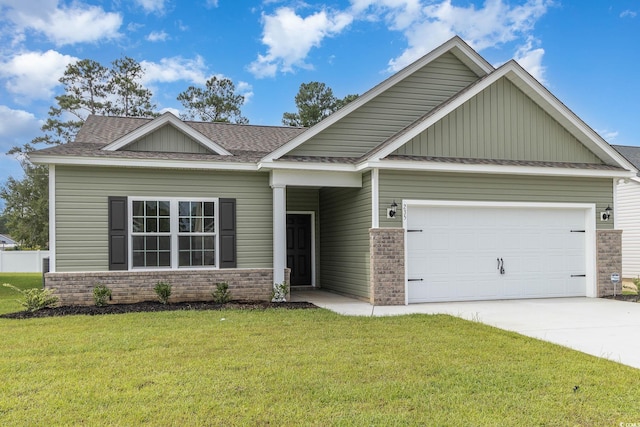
(8, 297)
(305, 367)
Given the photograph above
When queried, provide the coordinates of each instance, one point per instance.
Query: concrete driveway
(600, 327)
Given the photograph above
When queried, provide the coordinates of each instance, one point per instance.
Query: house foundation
(136, 286)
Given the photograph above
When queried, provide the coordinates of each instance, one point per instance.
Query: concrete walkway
(600, 327)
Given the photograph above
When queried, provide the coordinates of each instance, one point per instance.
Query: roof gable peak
(157, 123)
(455, 46)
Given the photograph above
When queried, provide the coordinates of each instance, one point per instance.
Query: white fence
(22, 261)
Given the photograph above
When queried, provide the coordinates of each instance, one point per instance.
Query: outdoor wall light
(606, 214)
(392, 209)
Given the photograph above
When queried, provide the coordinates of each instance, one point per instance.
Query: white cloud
(289, 38)
(400, 14)
(530, 58)
(175, 69)
(149, 6)
(62, 24)
(608, 135)
(628, 14)
(34, 75)
(157, 36)
(212, 3)
(492, 24)
(246, 90)
(17, 127)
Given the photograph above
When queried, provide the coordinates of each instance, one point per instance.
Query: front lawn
(298, 367)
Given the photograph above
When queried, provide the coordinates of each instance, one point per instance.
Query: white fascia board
(458, 47)
(492, 169)
(143, 163)
(315, 178)
(305, 166)
(567, 118)
(166, 118)
(532, 88)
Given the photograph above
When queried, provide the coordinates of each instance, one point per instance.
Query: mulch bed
(152, 306)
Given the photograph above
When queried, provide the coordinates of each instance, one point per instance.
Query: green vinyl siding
(345, 220)
(392, 110)
(404, 185)
(500, 122)
(167, 139)
(81, 209)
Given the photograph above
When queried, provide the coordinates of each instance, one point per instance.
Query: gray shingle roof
(630, 153)
(104, 130)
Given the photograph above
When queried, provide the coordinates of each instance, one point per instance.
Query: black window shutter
(227, 212)
(118, 255)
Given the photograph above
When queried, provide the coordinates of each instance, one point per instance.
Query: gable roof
(245, 143)
(533, 89)
(456, 46)
(157, 123)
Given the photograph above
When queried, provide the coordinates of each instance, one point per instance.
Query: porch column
(279, 232)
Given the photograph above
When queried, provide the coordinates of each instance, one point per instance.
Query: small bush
(279, 292)
(221, 295)
(101, 294)
(163, 290)
(35, 298)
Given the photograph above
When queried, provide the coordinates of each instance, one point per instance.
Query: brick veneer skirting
(608, 261)
(386, 266)
(136, 286)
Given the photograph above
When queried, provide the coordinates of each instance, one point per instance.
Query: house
(7, 242)
(627, 207)
(450, 180)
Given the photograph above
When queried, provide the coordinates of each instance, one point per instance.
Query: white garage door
(482, 253)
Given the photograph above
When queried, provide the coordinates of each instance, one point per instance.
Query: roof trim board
(456, 46)
(166, 118)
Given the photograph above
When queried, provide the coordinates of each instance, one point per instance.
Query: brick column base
(386, 266)
(608, 261)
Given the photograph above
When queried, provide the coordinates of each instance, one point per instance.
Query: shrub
(35, 298)
(279, 292)
(100, 295)
(163, 290)
(221, 295)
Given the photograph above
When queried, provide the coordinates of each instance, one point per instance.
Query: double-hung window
(173, 233)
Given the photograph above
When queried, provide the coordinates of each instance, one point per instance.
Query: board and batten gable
(82, 219)
(167, 139)
(626, 217)
(413, 185)
(345, 220)
(501, 122)
(392, 110)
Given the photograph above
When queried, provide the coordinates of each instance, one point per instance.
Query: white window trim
(174, 218)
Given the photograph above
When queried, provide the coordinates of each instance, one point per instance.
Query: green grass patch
(8, 297)
(299, 367)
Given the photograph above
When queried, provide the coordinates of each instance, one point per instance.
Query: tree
(131, 98)
(3, 224)
(217, 102)
(26, 210)
(315, 102)
(89, 88)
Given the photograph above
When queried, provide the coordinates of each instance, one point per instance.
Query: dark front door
(299, 248)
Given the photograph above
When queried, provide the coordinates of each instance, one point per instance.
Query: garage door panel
(456, 254)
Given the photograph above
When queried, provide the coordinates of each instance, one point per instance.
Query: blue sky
(586, 52)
